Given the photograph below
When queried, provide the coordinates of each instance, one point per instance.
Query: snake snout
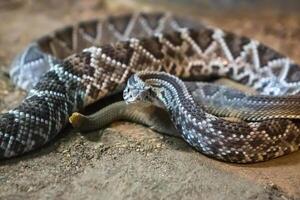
(127, 96)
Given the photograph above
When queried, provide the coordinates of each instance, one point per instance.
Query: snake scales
(157, 118)
(76, 77)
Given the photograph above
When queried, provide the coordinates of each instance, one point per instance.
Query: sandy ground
(127, 161)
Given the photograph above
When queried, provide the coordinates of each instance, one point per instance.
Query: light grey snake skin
(178, 46)
(158, 119)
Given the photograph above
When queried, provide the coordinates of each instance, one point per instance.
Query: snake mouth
(129, 101)
(128, 98)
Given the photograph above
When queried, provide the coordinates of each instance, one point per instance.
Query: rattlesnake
(158, 119)
(238, 142)
(179, 46)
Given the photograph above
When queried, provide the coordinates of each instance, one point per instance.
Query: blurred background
(200, 5)
(275, 22)
(24, 20)
(126, 162)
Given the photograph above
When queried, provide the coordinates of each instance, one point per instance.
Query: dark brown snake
(78, 75)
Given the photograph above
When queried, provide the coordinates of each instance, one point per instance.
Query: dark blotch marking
(293, 73)
(44, 44)
(203, 37)
(174, 38)
(267, 54)
(120, 23)
(153, 46)
(235, 43)
(152, 19)
(89, 27)
(65, 35)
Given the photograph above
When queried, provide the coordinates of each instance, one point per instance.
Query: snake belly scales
(80, 64)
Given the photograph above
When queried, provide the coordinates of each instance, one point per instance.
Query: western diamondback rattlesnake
(181, 47)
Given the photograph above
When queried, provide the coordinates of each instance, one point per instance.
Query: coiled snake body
(176, 45)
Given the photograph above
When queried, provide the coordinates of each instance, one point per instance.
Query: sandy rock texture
(128, 161)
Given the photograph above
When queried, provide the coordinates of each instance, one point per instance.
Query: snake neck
(238, 142)
(171, 92)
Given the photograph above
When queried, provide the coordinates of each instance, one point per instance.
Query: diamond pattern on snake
(78, 65)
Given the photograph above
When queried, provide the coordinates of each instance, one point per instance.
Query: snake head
(136, 90)
(139, 90)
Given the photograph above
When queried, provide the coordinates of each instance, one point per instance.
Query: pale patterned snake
(179, 46)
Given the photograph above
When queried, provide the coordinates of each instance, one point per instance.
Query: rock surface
(127, 161)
